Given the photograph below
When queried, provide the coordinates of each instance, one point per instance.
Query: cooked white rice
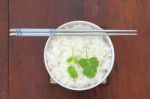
(59, 49)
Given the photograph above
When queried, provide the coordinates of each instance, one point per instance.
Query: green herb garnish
(89, 72)
(83, 62)
(72, 72)
(89, 65)
(72, 59)
(93, 62)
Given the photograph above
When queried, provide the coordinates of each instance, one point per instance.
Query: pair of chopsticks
(68, 32)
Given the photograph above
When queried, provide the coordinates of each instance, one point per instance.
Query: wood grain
(3, 49)
(129, 79)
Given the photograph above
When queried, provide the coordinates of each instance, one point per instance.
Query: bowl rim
(106, 74)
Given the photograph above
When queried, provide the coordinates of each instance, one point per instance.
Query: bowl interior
(67, 25)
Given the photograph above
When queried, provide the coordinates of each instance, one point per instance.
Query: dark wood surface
(3, 49)
(22, 71)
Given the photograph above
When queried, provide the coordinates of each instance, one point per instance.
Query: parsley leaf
(71, 69)
(89, 72)
(72, 59)
(72, 72)
(89, 65)
(83, 62)
(93, 62)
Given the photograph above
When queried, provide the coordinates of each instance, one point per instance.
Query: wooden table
(22, 71)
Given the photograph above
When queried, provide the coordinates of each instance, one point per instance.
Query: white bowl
(106, 74)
